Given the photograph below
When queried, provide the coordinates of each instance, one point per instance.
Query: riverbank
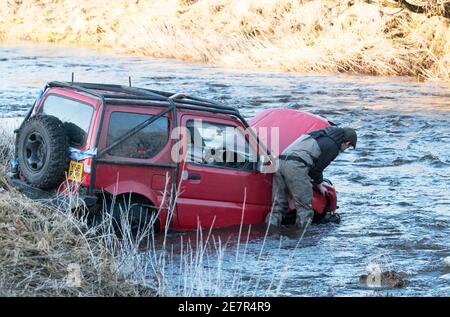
(284, 35)
(46, 251)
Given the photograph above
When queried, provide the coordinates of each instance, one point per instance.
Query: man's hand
(321, 188)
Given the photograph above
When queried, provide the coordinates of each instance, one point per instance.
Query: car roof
(132, 96)
(127, 95)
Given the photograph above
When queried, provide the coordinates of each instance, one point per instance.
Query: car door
(213, 191)
(142, 163)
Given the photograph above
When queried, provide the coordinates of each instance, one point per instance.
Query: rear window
(76, 117)
(143, 145)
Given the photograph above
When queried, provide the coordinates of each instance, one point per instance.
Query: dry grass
(367, 37)
(49, 252)
(7, 126)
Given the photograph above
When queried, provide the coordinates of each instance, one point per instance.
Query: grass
(7, 142)
(50, 251)
(374, 37)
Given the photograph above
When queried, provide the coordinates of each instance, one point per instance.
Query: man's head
(349, 140)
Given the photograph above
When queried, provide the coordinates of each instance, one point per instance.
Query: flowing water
(393, 190)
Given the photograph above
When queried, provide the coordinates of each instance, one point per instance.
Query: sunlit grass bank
(366, 37)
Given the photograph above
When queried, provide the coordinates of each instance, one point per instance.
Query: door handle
(194, 177)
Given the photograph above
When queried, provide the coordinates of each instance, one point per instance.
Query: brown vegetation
(379, 37)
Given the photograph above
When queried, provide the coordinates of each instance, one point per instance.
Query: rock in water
(389, 278)
(393, 279)
(447, 261)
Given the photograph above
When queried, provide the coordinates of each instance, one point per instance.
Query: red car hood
(291, 125)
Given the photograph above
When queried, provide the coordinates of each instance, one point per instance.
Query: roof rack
(123, 94)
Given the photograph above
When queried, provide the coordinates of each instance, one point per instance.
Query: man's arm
(329, 152)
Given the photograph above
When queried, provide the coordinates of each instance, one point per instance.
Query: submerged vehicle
(111, 143)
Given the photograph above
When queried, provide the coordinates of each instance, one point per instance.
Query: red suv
(157, 151)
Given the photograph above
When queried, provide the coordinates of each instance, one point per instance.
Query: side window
(218, 145)
(75, 116)
(143, 145)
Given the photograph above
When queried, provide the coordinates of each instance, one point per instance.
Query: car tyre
(135, 218)
(42, 151)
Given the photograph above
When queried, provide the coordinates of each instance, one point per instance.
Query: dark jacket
(329, 141)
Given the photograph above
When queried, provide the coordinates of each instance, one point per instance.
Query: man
(303, 160)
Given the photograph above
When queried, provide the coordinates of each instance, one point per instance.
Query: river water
(393, 190)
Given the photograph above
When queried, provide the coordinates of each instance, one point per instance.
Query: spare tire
(42, 151)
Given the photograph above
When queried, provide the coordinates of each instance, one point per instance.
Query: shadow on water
(392, 190)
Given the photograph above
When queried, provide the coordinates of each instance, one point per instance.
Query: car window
(218, 145)
(143, 145)
(75, 116)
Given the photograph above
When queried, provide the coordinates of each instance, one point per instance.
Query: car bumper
(53, 197)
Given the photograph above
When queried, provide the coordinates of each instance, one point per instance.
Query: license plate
(75, 171)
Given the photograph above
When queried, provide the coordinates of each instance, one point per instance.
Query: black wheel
(135, 217)
(42, 150)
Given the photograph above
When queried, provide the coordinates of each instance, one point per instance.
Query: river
(393, 190)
